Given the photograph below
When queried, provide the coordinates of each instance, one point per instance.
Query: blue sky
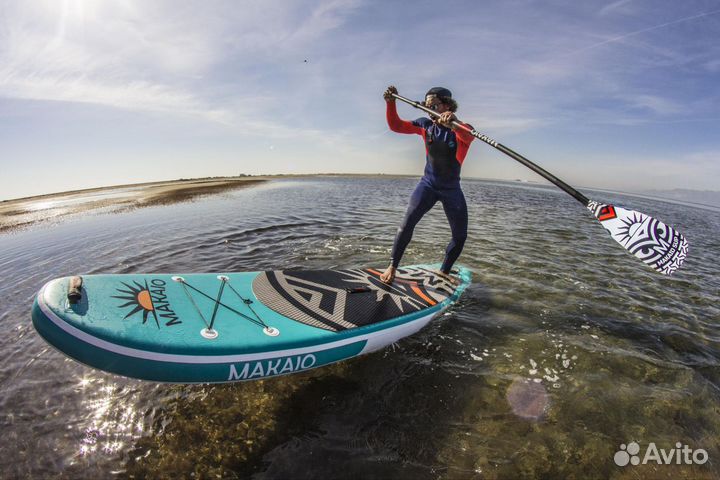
(611, 94)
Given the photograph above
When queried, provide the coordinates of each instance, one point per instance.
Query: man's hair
(450, 102)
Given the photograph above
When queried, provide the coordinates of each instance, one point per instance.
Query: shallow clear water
(564, 348)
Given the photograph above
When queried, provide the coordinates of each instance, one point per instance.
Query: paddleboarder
(445, 148)
(658, 245)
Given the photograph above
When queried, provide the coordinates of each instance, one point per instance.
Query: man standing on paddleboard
(445, 149)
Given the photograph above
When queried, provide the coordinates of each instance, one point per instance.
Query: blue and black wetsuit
(445, 152)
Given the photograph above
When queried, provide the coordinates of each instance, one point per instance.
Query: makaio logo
(681, 454)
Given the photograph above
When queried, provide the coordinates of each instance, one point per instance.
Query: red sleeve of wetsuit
(397, 124)
(464, 140)
(462, 135)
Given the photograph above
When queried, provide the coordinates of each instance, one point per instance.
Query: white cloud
(147, 56)
(325, 17)
(619, 6)
(101, 53)
(653, 104)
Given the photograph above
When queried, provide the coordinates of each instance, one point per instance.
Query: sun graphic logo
(149, 299)
(138, 297)
(627, 454)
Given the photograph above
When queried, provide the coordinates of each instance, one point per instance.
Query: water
(564, 348)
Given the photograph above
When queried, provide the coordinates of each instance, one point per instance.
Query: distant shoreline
(241, 178)
(24, 212)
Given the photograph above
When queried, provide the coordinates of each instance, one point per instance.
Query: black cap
(440, 92)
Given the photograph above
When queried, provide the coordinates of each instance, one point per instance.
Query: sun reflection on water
(111, 421)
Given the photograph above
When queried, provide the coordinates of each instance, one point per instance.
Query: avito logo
(681, 454)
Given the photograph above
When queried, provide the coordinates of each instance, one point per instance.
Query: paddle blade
(653, 242)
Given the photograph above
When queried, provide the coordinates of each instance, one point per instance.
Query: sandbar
(25, 212)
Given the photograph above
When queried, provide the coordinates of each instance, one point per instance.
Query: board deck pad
(340, 299)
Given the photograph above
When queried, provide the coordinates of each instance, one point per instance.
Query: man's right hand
(388, 93)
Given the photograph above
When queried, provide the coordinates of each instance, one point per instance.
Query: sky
(620, 95)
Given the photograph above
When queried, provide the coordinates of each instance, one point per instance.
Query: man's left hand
(446, 118)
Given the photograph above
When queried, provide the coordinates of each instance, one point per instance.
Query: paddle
(658, 245)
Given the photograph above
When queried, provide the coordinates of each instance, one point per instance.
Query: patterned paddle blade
(653, 242)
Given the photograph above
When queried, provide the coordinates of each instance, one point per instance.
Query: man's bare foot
(450, 278)
(388, 276)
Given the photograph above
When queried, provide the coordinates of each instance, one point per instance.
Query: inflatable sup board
(236, 326)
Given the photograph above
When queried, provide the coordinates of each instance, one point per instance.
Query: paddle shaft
(507, 151)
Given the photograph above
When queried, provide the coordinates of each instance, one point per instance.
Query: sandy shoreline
(24, 212)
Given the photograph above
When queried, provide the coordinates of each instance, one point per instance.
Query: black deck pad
(337, 300)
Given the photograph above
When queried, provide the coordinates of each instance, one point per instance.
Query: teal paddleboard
(236, 326)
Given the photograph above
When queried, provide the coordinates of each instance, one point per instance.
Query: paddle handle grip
(75, 290)
(507, 151)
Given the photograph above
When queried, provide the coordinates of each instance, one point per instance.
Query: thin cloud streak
(619, 38)
(615, 7)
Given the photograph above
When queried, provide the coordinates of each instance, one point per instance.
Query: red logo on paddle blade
(607, 213)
